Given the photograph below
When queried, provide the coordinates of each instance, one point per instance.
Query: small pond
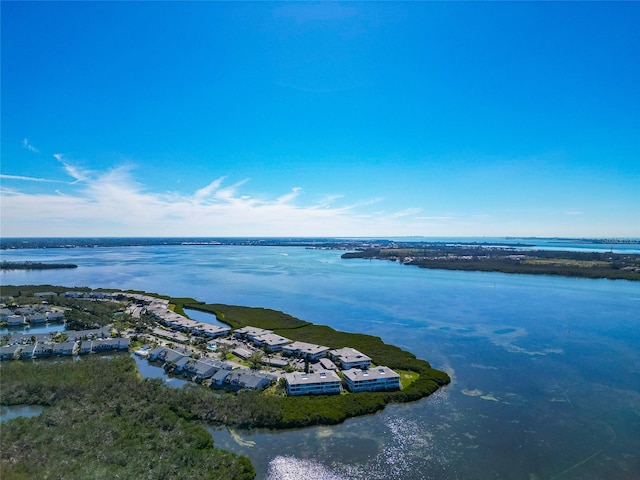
(205, 317)
(10, 412)
(47, 328)
(149, 370)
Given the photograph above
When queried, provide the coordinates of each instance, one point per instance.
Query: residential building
(9, 352)
(171, 356)
(123, 343)
(203, 369)
(42, 350)
(86, 346)
(27, 310)
(211, 331)
(45, 294)
(299, 383)
(373, 379)
(156, 352)
(65, 348)
(271, 341)
(105, 344)
(219, 377)
(309, 351)
(250, 332)
(178, 365)
(27, 351)
(36, 318)
(350, 358)
(241, 352)
(245, 378)
(72, 294)
(103, 332)
(15, 321)
(55, 316)
(328, 364)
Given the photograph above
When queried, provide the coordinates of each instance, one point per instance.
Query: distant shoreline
(612, 266)
(35, 266)
(334, 243)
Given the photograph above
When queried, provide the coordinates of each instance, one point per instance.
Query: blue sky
(320, 119)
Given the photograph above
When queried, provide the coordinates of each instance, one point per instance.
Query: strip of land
(99, 411)
(483, 258)
(34, 266)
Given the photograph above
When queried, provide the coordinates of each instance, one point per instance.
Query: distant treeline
(311, 242)
(21, 243)
(509, 260)
(34, 266)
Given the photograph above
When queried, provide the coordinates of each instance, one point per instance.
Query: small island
(105, 322)
(34, 266)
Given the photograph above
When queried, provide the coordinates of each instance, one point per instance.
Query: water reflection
(149, 370)
(205, 317)
(14, 411)
(379, 447)
(48, 328)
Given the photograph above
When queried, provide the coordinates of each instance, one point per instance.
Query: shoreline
(303, 410)
(590, 265)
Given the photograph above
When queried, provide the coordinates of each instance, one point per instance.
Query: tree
(255, 359)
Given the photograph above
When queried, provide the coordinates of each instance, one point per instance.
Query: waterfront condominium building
(350, 358)
(299, 383)
(378, 378)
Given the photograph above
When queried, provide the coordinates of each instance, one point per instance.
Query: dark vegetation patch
(241, 409)
(483, 258)
(102, 421)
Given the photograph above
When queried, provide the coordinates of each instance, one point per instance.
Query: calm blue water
(205, 317)
(10, 412)
(546, 370)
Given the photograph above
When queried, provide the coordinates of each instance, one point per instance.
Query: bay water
(545, 370)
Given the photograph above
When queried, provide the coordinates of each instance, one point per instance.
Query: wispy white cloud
(112, 202)
(78, 174)
(29, 146)
(289, 196)
(116, 202)
(27, 179)
(407, 212)
(206, 192)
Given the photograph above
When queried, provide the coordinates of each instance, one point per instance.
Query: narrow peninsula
(253, 368)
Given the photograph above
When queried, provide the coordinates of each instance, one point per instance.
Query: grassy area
(407, 377)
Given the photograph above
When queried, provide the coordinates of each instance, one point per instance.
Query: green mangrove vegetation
(609, 265)
(426, 382)
(103, 421)
(34, 265)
